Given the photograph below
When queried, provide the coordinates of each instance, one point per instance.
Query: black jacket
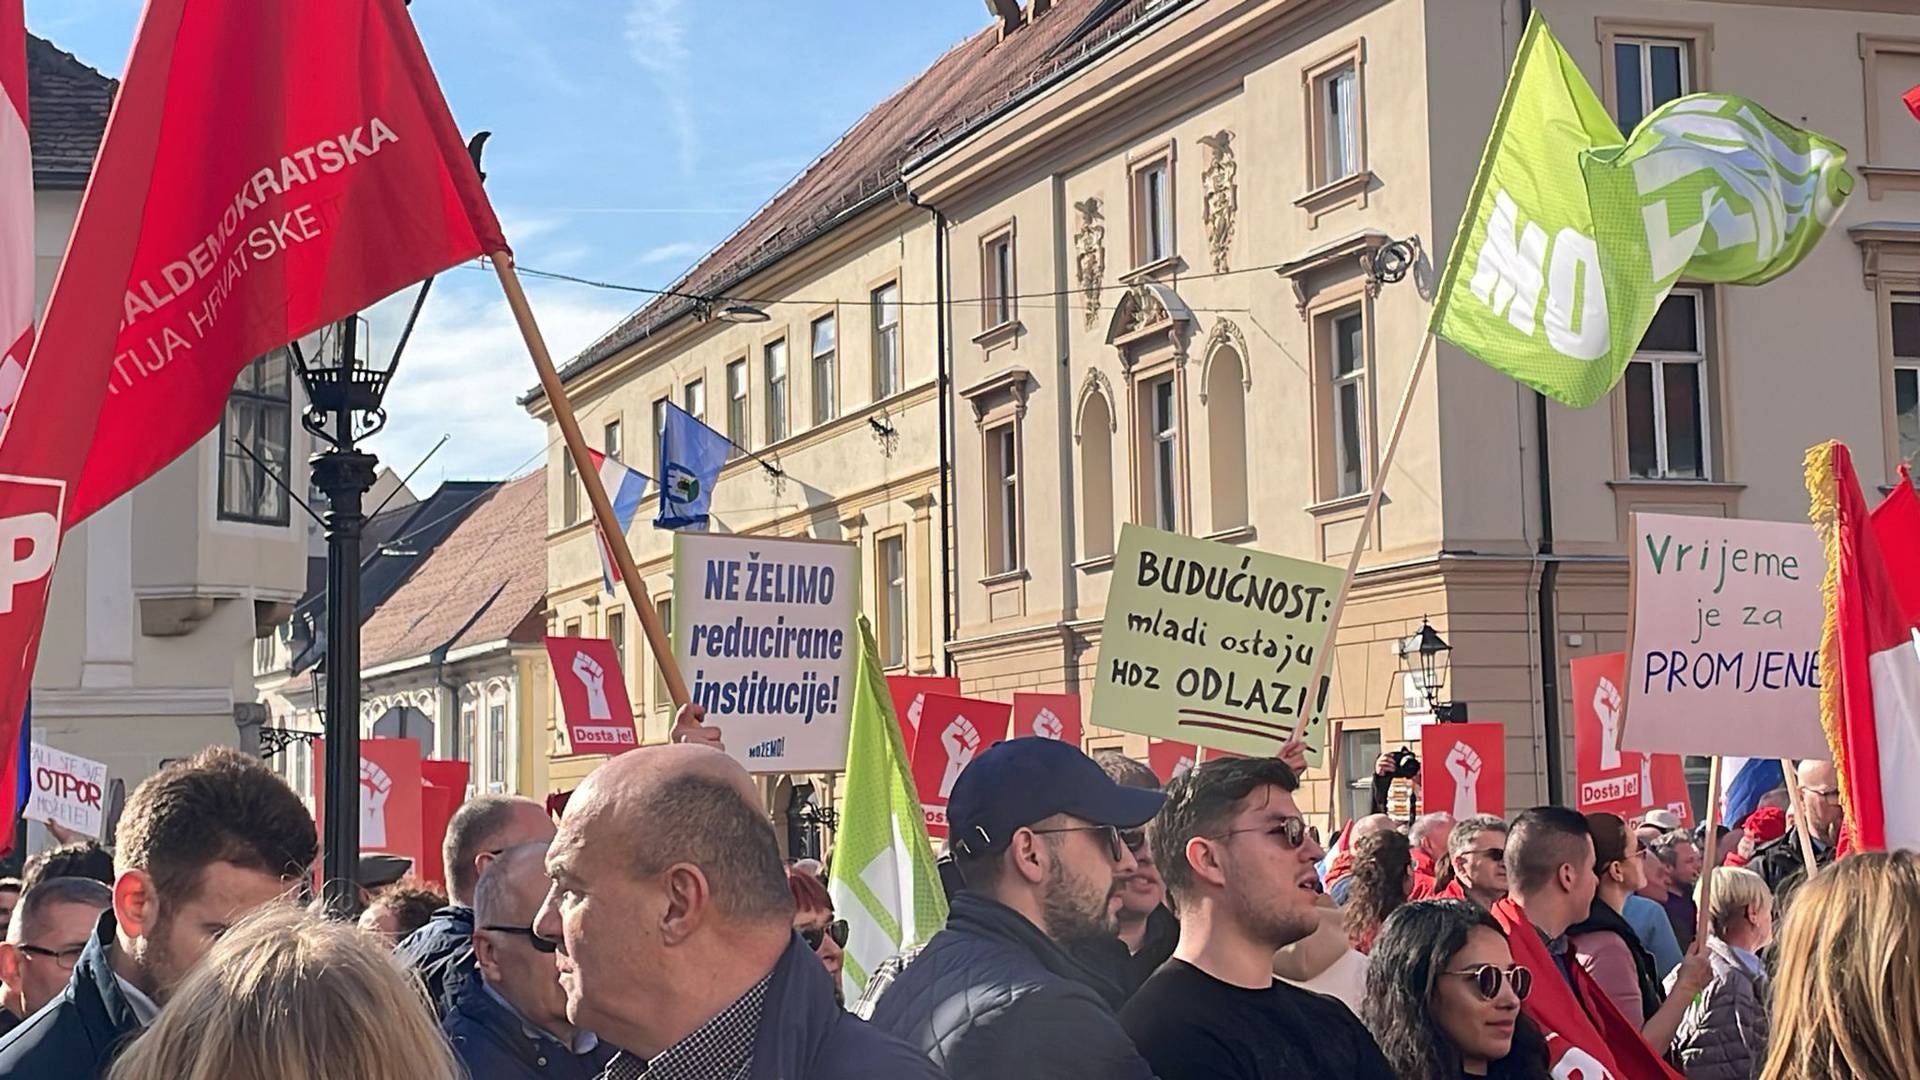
(1779, 861)
(805, 1033)
(492, 1042)
(992, 998)
(1128, 970)
(78, 1034)
(1601, 918)
(441, 953)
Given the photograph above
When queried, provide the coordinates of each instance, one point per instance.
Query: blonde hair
(1735, 890)
(1846, 1000)
(288, 995)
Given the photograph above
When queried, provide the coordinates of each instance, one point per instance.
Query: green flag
(884, 881)
(1574, 234)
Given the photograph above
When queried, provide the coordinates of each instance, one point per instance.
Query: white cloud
(657, 40)
(678, 251)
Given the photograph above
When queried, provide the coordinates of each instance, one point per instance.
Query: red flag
(951, 731)
(1912, 98)
(16, 316)
(1465, 769)
(909, 693)
(1870, 654)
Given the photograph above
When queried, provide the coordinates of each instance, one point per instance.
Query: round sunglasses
(837, 930)
(1488, 979)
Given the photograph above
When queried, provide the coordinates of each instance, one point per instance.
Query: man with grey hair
(512, 1024)
(1428, 837)
(441, 952)
(1339, 878)
(48, 932)
(1477, 856)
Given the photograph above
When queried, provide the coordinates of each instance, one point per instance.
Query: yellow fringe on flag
(1823, 510)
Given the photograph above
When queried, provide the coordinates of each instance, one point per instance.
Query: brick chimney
(1007, 13)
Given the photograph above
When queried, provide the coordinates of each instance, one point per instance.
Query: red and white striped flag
(1870, 656)
(16, 208)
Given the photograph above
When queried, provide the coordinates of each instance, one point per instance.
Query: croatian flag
(16, 208)
(1870, 655)
(625, 489)
(1743, 781)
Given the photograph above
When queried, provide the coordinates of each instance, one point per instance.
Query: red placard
(1050, 716)
(443, 788)
(1608, 779)
(952, 731)
(1463, 769)
(1169, 758)
(593, 695)
(909, 693)
(390, 796)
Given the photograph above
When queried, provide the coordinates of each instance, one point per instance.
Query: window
(569, 488)
(463, 744)
(1906, 376)
(663, 606)
(893, 601)
(1334, 98)
(1359, 748)
(693, 398)
(1349, 405)
(1227, 439)
(610, 441)
(259, 416)
(1666, 393)
(1153, 212)
(659, 434)
(1340, 134)
(997, 274)
(737, 405)
(887, 376)
(1163, 469)
(1096, 477)
(497, 743)
(1648, 73)
(776, 363)
(825, 378)
(617, 636)
(1003, 500)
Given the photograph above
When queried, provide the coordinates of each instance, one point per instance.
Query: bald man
(671, 908)
(1781, 860)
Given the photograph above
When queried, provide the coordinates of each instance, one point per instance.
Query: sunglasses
(1116, 846)
(539, 943)
(1293, 830)
(1498, 855)
(1488, 979)
(814, 936)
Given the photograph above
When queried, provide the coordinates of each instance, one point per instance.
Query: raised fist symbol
(913, 712)
(1577, 1064)
(1181, 767)
(1646, 779)
(1606, 705)
(1048, 726)
(594, 678)
(1463, 764)
(961, 740)
(375, 786)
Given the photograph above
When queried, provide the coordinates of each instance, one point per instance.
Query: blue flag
(23, 778)
(691, 457)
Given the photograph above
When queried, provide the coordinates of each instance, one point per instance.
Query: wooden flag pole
(1707, 845)
(1790, 776)
(590, 476)
(1324, 660)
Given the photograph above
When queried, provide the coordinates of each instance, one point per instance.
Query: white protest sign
(766, 641)
(68, 790)
(1726, 625)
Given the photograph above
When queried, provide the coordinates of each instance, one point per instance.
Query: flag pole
(1323, 661)
(1790, 777)
(1707, 845)
(590, 476)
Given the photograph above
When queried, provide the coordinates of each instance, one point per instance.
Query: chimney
(1037, 8)
(1007, 13)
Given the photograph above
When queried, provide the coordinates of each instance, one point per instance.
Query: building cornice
(126, 702)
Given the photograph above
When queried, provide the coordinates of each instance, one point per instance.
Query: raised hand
(594, 678)
(1606, 705)
(1294, 753)
(689, 727)
(375, 787)
(1463, 764)
(961, 740)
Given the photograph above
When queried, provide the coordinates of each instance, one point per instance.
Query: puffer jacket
(1723, 1035)
(992, 998)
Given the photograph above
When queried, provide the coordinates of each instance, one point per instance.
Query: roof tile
(67, 106)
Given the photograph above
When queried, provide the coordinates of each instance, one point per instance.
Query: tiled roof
(971, 83)
(67, 105)
(487, 581)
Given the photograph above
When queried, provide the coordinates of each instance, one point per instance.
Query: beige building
(159, 597)
(1150, 235)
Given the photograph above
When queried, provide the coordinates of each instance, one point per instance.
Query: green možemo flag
(1574, 234)
(884, 881)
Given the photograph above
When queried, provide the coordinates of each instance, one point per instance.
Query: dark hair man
(202, 843)
(1147, 929)
(48, 932)
(675, 924)
(401, 908)
(1239, 867)
(441, 952)
(512, 1024)
(1477, 851)
(83, 858)
(999, 994)
(1677, 852)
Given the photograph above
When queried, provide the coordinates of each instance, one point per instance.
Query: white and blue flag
(691, 457)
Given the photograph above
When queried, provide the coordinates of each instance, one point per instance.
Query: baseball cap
(1020, 781)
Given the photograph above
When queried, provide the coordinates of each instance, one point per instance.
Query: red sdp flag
(16, 307)
(1870, 654)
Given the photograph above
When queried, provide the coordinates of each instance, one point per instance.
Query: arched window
(1227, 438)
(1096, 477)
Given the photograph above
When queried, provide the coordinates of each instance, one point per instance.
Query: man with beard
(1239, 867)
(998, 995)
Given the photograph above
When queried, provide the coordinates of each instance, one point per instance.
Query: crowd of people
(1101, 924)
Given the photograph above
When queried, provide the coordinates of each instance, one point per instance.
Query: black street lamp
(1429, 654)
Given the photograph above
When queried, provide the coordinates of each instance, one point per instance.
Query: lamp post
(1429, 654)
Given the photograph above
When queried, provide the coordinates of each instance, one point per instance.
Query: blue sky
(630, 136)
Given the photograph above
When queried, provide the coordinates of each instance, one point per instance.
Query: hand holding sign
(689, 728)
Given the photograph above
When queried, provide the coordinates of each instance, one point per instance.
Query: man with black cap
(1035, 829)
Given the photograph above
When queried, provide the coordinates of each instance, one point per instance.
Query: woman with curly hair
(1382, 880)
(1443, 997)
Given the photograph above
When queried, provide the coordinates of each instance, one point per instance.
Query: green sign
(1213, 644)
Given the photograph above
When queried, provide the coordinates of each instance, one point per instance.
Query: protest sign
(390, 796)
(1212, 643)
(767, 643)
(909, 693)
(952, 731)
(1169, 758)
(1726, 623)
(443, 788)
(1609, 779)
(68, 790)
(1050, 716)
(593, 695)
(1463, 769)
